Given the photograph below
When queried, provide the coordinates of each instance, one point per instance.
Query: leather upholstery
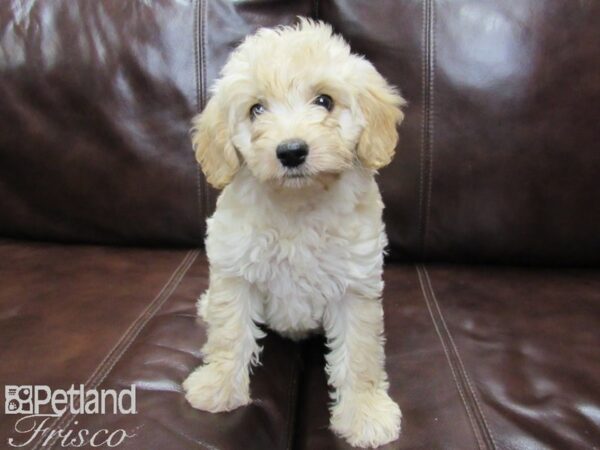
(97, 99)
(498, 159)
(482, 358)
(497, 163)
(111, 318)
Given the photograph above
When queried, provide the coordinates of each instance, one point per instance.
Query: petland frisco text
(38, 405)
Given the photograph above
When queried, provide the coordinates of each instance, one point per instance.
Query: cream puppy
(294, 132)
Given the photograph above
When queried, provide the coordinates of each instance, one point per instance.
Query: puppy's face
(294, 105)
(293, 129)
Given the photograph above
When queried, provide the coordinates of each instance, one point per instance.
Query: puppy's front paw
(366, 419)
(213, 388)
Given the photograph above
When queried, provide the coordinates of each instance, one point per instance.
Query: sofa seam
(423, 116)
(158, 303)
(453, 370)
(203, 22)
(149, 312)
(431, 121)
(115, 354)
(486, 426)
(199, 175)
(427, 122)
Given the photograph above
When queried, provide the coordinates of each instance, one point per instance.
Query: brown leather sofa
(492, 299)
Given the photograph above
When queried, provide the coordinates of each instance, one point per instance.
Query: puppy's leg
(231, 308)
(362, 412)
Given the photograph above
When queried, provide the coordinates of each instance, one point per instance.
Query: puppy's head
(294, 104)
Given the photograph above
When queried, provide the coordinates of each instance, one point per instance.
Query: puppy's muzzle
(292, 152)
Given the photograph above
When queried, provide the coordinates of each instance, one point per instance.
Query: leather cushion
(110, 318)
(481, 357)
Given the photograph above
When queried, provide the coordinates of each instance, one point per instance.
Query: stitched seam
(203, 14)
(125, 340)
(426, 151)
(119, 349)
(134, 330)
(424, 48)
(59, 420)
(199, 176)
(465, 374)
(197, 53)
(431, 121)
(459, 386)
(151, 312)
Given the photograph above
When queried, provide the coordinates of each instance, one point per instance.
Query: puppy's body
(297, 238)
(301, 251)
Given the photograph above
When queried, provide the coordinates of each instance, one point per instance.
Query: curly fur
(299, 250)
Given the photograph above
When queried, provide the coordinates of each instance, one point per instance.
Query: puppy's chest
(298, 271)
(298, 263)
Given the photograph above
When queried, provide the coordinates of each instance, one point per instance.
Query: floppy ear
(380, 106)
(211, 140)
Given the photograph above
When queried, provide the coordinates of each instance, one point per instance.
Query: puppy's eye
(256, 110)
(325, 101)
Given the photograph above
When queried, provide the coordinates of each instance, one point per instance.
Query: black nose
(292, 152)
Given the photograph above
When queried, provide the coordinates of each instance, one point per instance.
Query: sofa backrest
(498, 160)
(96, 103)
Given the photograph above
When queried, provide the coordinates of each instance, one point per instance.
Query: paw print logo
(18, 399)
(13, 405)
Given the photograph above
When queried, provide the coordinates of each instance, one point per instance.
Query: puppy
(294, 133)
